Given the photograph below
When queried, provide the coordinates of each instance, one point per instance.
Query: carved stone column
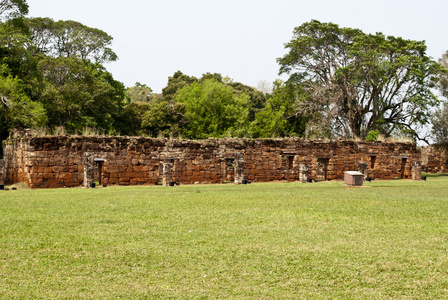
(417, 170)
(167, 171)
(303, 173)
(239, 168)
(89, 169)
(363, 168)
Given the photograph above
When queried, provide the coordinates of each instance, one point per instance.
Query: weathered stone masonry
(70, 161)
(434, 159)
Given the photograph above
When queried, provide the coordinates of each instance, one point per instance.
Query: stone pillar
(2, 172)
(363, 168)
(239, 168)
(303, 173)
(417, 170)
(89, 169)
(167, 171)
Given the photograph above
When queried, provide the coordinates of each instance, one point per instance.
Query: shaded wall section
(69, 161)
(434, 159)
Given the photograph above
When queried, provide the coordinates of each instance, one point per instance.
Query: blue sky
(237, 38)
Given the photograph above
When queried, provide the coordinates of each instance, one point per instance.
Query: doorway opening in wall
(372, 162)
(322, 168)
(98, 175)
(229, 170)
(403, 167)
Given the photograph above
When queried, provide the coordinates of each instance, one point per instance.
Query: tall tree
(129, 122)
(175, 83)
(79, 94)
(439, 131)
(443, 76)
(69, 38)
(16, 108)
(213, 110)
(164, 118)
(10, 9)
(361, 82)
(139, 93)
(279, 118)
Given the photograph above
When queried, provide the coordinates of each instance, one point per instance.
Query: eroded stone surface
(70, 161)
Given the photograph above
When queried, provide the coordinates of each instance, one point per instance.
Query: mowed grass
(258, 241)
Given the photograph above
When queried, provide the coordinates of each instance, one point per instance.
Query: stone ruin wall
(434, 159)
(71, 161)
(2, 172)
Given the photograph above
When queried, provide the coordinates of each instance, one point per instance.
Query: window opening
(288, 162)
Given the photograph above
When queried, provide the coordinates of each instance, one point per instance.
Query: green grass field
(260, 241)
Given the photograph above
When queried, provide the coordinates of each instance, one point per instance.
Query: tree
(279, 117)
(257, 99)
(10, 9)
(175, 83)
(360, 82)
(13, 40)
(16, 108)
(79, 94)
(213, 110)
(439, 130)
(164, 118)
(130, 119)
(264, 86)
(69, 38)
(443, 76)
(139, 93)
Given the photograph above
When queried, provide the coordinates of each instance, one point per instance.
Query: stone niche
(71, 161)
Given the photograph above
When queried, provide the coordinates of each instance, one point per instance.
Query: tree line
(342, 83)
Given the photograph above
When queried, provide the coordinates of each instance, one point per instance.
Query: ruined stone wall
(2, 172)
(434, 159)
(45, 162)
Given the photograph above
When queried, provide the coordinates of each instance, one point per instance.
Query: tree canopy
(10, 9)
(69, 38)
(51, 74)
(360, 82)
(439, 129)
(213, 109)
(342, 83)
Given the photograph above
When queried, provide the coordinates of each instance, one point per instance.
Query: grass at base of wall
(264, 240)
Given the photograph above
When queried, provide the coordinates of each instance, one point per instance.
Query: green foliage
(69, 38)
(439, 131)
(13, 40)
(139, 93)
(79, 94)
(164, 118)
(175, 83)
(279, 117)
(361, 82)
(131, 118)
(11, 9)
(213, 110)
(443, 75)
(257, 99)
(16, 108)
(372, 135)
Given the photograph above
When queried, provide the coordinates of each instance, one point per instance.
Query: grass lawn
(275, 240)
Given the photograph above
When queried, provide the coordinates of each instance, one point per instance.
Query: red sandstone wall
(45, 162)
(434, 160)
